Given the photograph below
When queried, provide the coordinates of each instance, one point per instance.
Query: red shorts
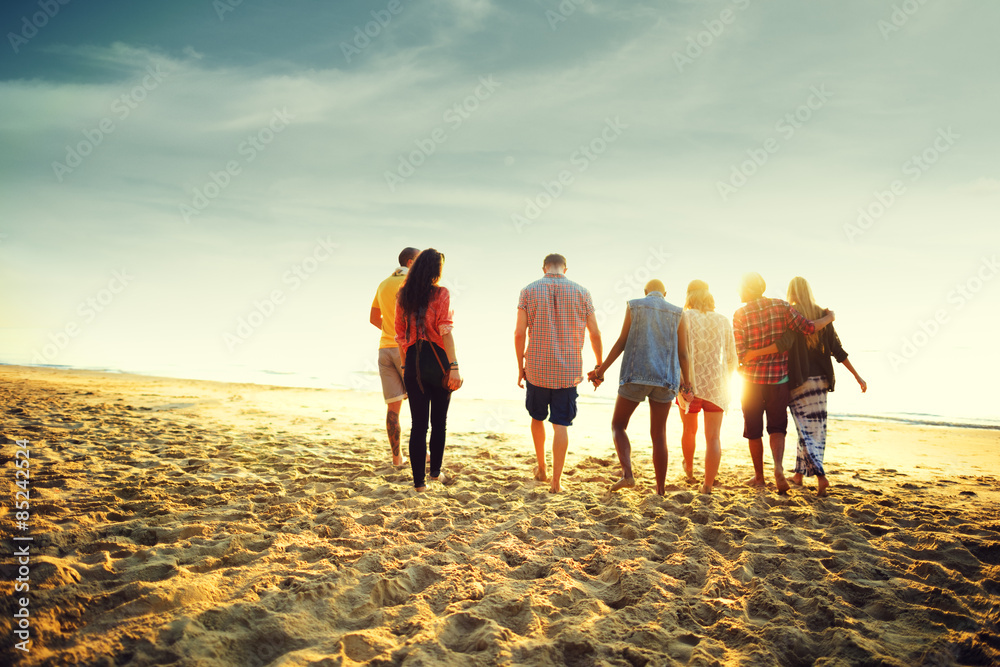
(697, 405)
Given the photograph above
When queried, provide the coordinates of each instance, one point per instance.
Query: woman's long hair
(420, 284)
(801, 298)
(698, 297)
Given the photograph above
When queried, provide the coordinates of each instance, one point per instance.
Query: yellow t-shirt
(385, 301)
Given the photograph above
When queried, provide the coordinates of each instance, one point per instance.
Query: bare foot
(440, 478)
(689, 472)
(781, 483)
(540, 475)
(623, 483)
(399, 461)
(756, 482)
(706, 489)
(821, 487)
(796, 479)
(420, 489)
(555, 488)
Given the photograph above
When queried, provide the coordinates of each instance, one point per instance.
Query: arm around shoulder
(785, 343)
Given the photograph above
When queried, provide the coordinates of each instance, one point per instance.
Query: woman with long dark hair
(430, 368)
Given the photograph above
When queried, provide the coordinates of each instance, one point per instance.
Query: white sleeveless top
(711, 350)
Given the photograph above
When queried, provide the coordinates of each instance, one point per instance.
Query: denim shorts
(639, 392)
(562, 402)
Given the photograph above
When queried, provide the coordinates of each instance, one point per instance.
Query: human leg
(560, 445)
(688, 436)
(777, 444)
(658, 413)
(390, 373)
(808, 405)
(624, 408)
(776, 397)
(440, 400)
(393, 430)
(538, 438)
(801, 455)
(536, 402)
(713, 449)
(419, 416)
(563, 411)
(753, 428)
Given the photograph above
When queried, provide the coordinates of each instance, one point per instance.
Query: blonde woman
(711, 350)
(810, 378)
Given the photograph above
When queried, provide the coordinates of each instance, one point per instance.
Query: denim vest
(650, 355)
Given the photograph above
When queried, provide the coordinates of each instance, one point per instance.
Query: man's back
(557, 310)
(760, 323)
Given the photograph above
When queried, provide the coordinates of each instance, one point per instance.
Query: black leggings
(431, 405)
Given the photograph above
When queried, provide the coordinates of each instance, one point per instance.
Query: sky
(215, 189)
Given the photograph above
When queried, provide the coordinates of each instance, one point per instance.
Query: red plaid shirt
(557, 310)
(760, 323)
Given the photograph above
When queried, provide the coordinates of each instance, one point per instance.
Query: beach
(183, 522)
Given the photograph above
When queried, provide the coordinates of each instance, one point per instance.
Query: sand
(181, 522)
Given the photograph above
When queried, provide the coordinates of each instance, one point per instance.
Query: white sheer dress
(711, 350)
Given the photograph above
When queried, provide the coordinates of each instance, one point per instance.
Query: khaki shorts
(637, 393)
(390, 371)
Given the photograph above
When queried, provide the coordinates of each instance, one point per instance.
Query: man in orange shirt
(390, 369)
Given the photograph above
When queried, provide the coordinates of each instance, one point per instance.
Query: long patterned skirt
(808, 405)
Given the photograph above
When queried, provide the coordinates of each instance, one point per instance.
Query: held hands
(594, 378)
(687, 392)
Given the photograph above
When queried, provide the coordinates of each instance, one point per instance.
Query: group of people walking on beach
(669, 355)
